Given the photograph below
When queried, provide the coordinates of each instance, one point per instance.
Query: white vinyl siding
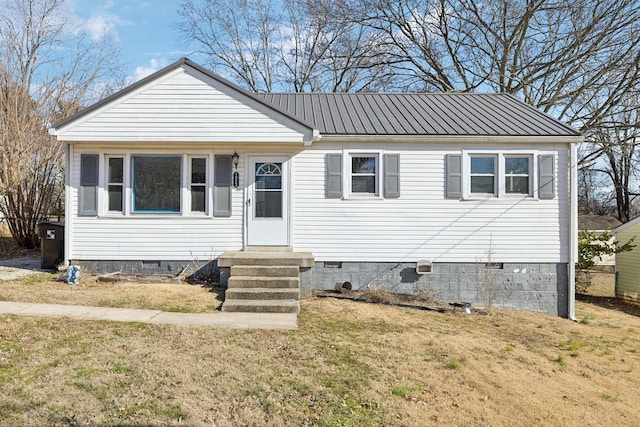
(185, 106)
(151, 236)
(422, 223)
(419, 224)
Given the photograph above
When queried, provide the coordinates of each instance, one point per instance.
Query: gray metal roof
(438, 114)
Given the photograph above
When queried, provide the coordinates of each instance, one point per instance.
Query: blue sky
(144, 29)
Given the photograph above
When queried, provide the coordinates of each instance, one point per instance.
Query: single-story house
(468, 197)
(628, 263)
(599, 224)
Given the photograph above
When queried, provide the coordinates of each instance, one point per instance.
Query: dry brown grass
(349, 363)
(173, 296)
(602, 284)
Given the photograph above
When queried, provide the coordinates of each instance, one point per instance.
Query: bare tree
(291, 45)
(613, 151)
(48, 68)
(556, 55)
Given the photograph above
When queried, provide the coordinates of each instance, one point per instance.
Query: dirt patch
(383, 296)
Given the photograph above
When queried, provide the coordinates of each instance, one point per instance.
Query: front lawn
(349, 363)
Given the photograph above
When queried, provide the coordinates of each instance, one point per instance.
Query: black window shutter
(88, 195)
(547, 188)
(222, 185)
(391, 175)
(333, 176)
(454, 175)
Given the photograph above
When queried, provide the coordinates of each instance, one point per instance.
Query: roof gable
(183, 103)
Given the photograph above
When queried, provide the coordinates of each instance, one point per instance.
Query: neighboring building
(628, 263)
(475, 191)
(600, 224)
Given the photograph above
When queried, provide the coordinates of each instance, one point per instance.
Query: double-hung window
(115, 184)
(483, 174)
(517, 174)
(364, 174)
(198, 184)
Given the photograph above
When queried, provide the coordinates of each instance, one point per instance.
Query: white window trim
(530, 158)
(496, 170)
(207, 182)
(347, 192)
(499, 180)
(185, 182)
(105, 203)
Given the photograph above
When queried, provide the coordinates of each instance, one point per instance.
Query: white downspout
(68, 217)
(573, 228)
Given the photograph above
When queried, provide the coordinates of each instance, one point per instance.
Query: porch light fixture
(235, 159)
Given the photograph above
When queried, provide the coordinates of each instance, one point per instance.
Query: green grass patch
(587, 319)
(121, 369)
(455, 362)
(400, 390)
(351, 411)
(176, 310)
(404, 390)
(573, 346)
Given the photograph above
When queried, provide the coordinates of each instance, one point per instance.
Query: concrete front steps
(264, 279)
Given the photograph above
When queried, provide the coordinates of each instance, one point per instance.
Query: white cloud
(142, 71)
(99, 27)
(104, 23)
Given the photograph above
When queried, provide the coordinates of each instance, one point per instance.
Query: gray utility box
(51, 244)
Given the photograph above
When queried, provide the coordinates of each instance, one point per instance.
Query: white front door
(268, 202)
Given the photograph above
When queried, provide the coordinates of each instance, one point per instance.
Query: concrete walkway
(218, 319)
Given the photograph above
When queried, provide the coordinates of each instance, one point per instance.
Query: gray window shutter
(391, 175)
(333, 175)
(547, 189)
(222, 186)
(88, 196)
(454, 175)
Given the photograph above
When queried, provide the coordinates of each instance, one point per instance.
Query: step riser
(258, 261)
(232, 307)
(263, 282)
(270, 249)
(262, 271)
(263, 294)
